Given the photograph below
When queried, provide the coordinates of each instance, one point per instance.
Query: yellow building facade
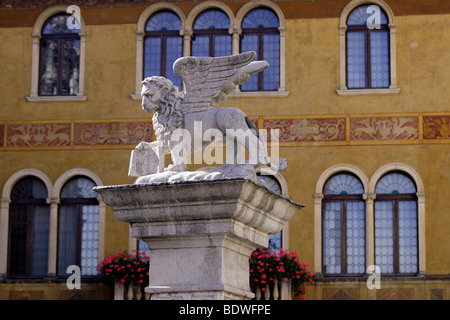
(330, 129)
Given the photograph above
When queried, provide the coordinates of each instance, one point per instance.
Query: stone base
(200, 234)
(202, 266)
(197, 293)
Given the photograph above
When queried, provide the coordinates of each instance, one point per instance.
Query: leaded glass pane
(222, 45)
(379, 59)
(49, 67)
(395, 183)
(332, 235)
(200, 46)
(28, 229)
(79, 187)
(271, 49)
(356, 59)
(89, 240)
(57, 24)
(39, 251)
(408, 242)
(68, 224)
(78, 227)
(384, 236)
(18, 226)
(163, 21)
(260, 18)
(70, 66)
(174, 50)
(152, 56)
(343, 183)
(212, 19)
(29, 188)
(207, 41)
(359, 16)
(356, 237)
(249, 42)
(59, 58)
(69, 237)
(25, 221)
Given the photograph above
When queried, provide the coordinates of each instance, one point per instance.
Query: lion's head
(161, 98)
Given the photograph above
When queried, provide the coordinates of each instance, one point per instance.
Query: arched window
(260, 34)
(211, 36)
(368, 48)
(396, 224)
(78, 227)
(59, 58)
(343, 226)
(29, 218)
(162, 45)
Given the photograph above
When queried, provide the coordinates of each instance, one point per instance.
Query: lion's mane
(170, 114)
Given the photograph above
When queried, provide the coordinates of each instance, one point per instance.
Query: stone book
(145, 161)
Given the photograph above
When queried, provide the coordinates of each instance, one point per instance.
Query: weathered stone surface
(189, 115)
(200, 234)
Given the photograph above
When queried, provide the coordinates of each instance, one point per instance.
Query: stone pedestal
(200, 234)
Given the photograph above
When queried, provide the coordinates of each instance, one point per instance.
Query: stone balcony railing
(130, 292)
(277, 291)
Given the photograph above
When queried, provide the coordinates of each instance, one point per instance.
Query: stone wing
(209, 80)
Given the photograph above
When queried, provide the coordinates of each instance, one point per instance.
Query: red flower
(270, 266)
(125, 268)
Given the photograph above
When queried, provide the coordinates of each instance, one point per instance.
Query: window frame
(29, 205)
(343, 90)
(370, 197)
(260, 33)
(395, 198)
(35, 59)
(235, 31)
(343, 199)
(211, 33)
(60, 38)
(367, 48)
(53, 200)
(163, 36)
(79, 203)
(61, 182)
(4, 212)
(240, 15)
(140, 34)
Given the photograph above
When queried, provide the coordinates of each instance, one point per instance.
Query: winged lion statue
(207, 82)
